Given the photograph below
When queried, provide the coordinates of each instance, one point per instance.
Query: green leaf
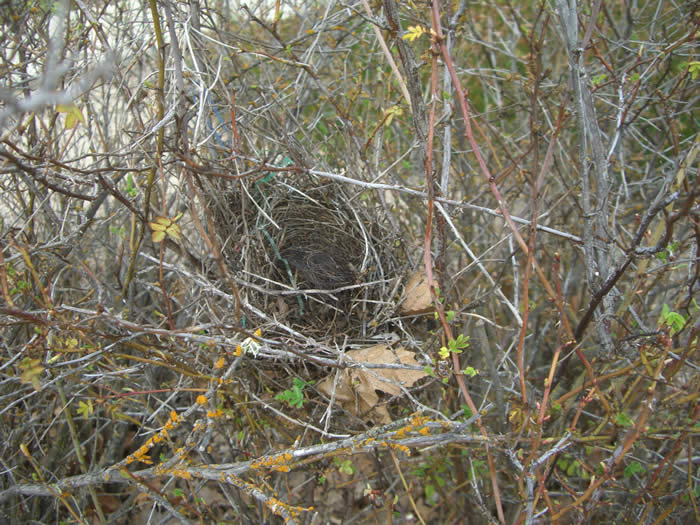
(419, 471)
(457, 345)
(470, 371)
(623, 420)
(671, 319)
(130, 188)
(634, 468)
(345, 466)
(573, 468)
(295, 396)
(430, 493)
(599, 79)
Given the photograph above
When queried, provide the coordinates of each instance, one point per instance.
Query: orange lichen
(401, 433)
(141, 454)
(402, 448)
(276, 506)
(417, 420)
(279, 462)
(215, 413)
(181, 473)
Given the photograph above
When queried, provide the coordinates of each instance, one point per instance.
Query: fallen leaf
(356, 390)
(416, 297)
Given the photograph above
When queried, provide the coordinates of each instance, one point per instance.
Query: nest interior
(314, 254)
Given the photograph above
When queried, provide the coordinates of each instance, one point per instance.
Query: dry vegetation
(217, 301)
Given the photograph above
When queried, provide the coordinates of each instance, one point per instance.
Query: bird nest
(313, 256)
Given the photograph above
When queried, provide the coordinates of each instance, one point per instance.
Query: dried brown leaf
(416, 297)
(357, 389)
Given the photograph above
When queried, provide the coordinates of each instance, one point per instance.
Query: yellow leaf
(31, 370)
(174, 231)
(413, 33)
(73, 114)
(85, 409)
(393, 111)
(163, 226)
(161, 223)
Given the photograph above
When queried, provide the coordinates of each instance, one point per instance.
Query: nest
(314, 256)
(315, 247)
